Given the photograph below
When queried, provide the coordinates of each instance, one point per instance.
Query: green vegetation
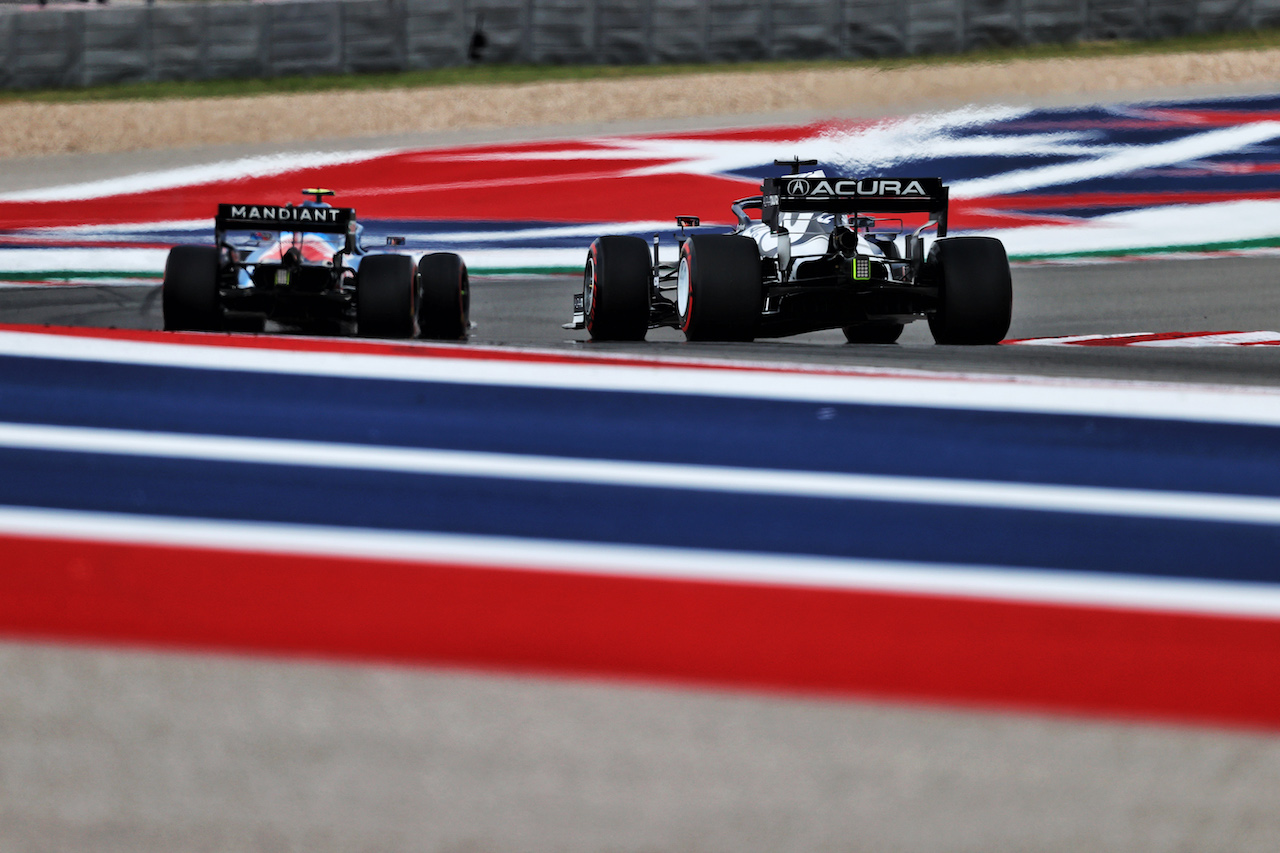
(500, 74)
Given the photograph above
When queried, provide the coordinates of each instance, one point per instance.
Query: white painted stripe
(1148, 230)
(204, 173)
(201, 227)
(500, 259)
(1063, 340)
(202, 231)
(1130, 592)
(73, 280)
(1123, 160)
(512, 231)
(1186, 339)
(1219, 339)
(45, 259)
(986, 392)
(42, 260)
(1142, 503)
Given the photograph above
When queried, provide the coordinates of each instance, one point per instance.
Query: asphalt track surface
(115, 750)
(1175, 295)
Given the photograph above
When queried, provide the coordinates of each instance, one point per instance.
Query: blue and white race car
(814, 259)
(304, 267)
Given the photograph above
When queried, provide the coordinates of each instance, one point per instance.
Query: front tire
(719, 288)
(189, 294)
(975, 290)
(444, 297)
(615, 289)
(385, 296)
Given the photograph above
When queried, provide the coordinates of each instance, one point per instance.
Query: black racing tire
(444, 297)
(873, 333)
(719, 288)
(616, 284)
(189, 295)
(975, 290)
(385, 296)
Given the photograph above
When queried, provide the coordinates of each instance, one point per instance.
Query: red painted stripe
(1199, 669)
(1212, 116)
(1155, 336)
(393, 186)
(477, 184)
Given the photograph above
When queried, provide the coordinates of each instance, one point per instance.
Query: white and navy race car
(303, 266)
(815, 259)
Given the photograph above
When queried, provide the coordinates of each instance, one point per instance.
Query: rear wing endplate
(794, 193)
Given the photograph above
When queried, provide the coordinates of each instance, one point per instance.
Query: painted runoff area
(1064, 183)
(1062, 545)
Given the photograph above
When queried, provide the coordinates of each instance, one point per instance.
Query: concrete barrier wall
(88, 45)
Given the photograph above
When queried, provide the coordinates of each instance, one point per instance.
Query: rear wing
(793, 193)
(270, 217)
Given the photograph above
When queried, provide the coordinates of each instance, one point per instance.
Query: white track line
(1141, 503)
(1215, 340)
(223, 172)
(1243, 405)
(1037, 586)
(1123, 159)
(1132, 339)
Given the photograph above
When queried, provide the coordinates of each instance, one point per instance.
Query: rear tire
(615, 289)
(975, 290)
(719, 288)
(444, 297)
(189, 295)
(385, 296)
(873, 333)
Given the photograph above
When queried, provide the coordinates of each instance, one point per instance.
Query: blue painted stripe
(901, 440)
(629, 515)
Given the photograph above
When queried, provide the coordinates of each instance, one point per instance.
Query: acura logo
(865, 187)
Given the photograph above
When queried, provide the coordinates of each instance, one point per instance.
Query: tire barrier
(90, 44)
